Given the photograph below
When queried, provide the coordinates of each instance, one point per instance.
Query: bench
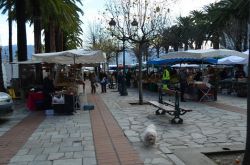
(172, 108)
(169, 103)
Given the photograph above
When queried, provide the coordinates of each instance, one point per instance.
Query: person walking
(128, 78)
(93, 83)
(103, 84)
(119, 81)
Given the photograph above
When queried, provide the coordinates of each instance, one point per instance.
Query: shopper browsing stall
(48, 89)
(165, 78)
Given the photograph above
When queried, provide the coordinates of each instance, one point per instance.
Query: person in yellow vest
(165, 78)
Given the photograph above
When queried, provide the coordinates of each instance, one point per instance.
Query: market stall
(67, 75)
(203, 54)
(237, 84)
(204, 87)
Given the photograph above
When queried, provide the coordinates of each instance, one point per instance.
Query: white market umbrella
(246, 52)
(74, 56)
(185, 66)
(232, 60)
(203, 53)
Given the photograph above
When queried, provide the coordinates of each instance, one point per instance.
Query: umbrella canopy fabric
(201, 54)
(185, 66)
(231, 60)
(160, 61)
(74, 56)
(246, 52)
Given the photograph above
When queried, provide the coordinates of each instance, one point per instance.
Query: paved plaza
(72, 140)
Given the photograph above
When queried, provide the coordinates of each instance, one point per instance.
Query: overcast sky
(91, 8)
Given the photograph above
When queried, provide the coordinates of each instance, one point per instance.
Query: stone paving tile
(58, 139)
(19, 113)
(204, 126)
(15, 138)
(111, 145)
(68, 162)
(69, 140)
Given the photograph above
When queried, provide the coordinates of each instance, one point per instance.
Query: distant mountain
(5, 52)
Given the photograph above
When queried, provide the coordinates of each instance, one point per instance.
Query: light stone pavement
(6, 123)
(203, 127)
(59, 140)
(67, 140)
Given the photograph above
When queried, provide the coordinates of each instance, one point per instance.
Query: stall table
(35, 100)
(200, 91)
(234, 86)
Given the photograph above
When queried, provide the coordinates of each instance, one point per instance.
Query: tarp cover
(160, 61)
(233, 60)
(203, 53)
(74, 56)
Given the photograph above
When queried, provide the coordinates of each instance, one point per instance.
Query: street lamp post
(112, 24)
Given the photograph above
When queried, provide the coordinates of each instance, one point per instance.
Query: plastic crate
(88, 107)
(49, 112)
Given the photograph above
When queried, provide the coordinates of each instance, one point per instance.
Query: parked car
(6, 104)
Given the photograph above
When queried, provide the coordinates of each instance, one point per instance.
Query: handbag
(58, 99)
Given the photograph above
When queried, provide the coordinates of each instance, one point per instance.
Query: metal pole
(124, 87)
(123, 48)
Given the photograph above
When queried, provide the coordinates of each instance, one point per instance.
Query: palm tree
(185, 24)
(7, 7)
(172, 37)
(66, 20)
(10, 30)
(35, 7)
(57, 18)
(200, 28)
(20, 6)
(215, 23)
(233, 13)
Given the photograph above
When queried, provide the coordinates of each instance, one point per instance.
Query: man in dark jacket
(48, 89)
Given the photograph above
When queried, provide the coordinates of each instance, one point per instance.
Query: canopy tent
(246, 52)
(74, 56)
(160, 61)
(26, 62)
(201, 54)
(231, 60)
(185, 66)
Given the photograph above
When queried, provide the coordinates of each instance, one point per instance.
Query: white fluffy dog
(149, 135)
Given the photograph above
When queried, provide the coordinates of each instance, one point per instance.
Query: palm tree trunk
(52, 34)
(21, 30)
(238, 44)
(50, 38)
(186, 46)
(37, 35)
(47, 40)
(176, 47)
(166, 48)
(216, 40)
(59, 39)
(37, 26)
(10, 33)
